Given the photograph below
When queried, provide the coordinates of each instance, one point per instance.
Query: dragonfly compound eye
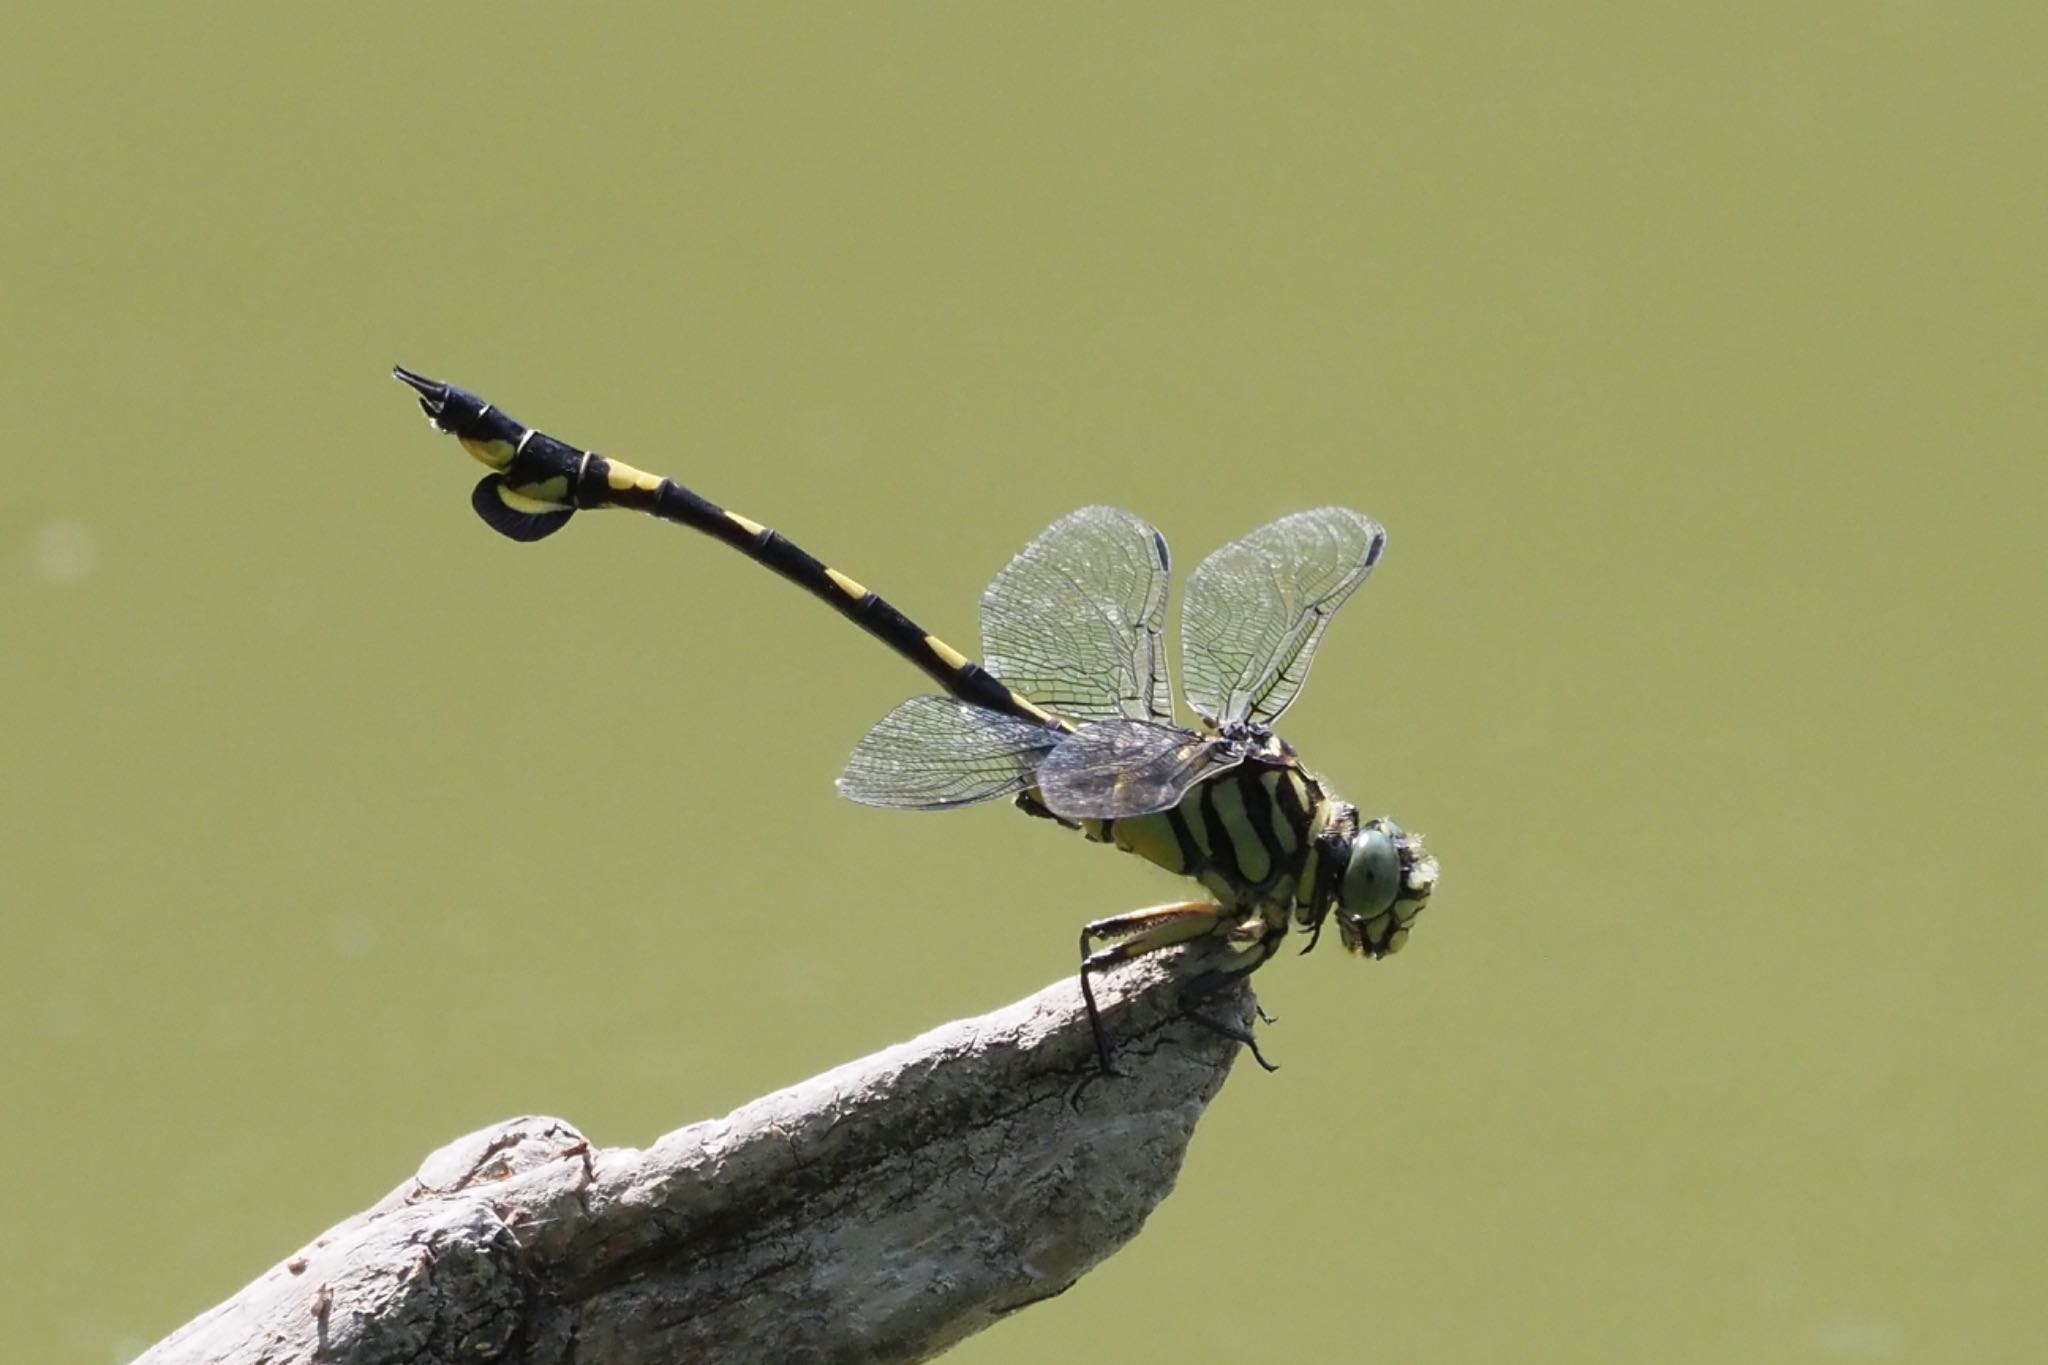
(1372, 876)
(1387, 881)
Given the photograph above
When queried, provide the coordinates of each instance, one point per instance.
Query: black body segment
(540, 481)
(512, 515)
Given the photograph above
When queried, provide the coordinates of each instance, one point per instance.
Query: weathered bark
(879, 1212)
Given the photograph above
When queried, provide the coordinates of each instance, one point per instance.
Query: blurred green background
(1692, 355)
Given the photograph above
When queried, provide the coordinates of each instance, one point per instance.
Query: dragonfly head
(1387, 879)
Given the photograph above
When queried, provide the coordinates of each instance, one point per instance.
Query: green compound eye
(1372, 877)
(1387, 881)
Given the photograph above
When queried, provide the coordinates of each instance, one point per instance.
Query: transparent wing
(932, 753)
(1076, 621)
(1115, 769)
(1256, 610)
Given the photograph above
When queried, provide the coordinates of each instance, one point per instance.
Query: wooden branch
(879, 1212)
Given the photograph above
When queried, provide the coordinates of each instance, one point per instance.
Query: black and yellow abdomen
(538, 482)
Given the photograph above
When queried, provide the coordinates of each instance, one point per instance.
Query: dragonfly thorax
(1252, 834)
(1267, 841)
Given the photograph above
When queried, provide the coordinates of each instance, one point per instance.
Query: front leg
(1137, 934)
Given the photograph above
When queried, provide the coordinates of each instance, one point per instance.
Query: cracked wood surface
(881, 1211)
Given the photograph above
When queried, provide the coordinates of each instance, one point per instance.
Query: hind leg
(1134, 935)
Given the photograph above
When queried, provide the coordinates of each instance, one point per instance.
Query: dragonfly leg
(1133, 935)
(1230, 1031)
(1211, 982)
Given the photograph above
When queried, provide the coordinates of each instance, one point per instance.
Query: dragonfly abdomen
(539, 481)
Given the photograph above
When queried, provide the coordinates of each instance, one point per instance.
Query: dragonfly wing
(1256, 610)
(1077, 620)
(933, 753)
(1116, 769)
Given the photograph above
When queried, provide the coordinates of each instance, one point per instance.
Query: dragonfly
(1070, 713)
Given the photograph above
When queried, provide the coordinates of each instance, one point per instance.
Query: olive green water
(1692, 358)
